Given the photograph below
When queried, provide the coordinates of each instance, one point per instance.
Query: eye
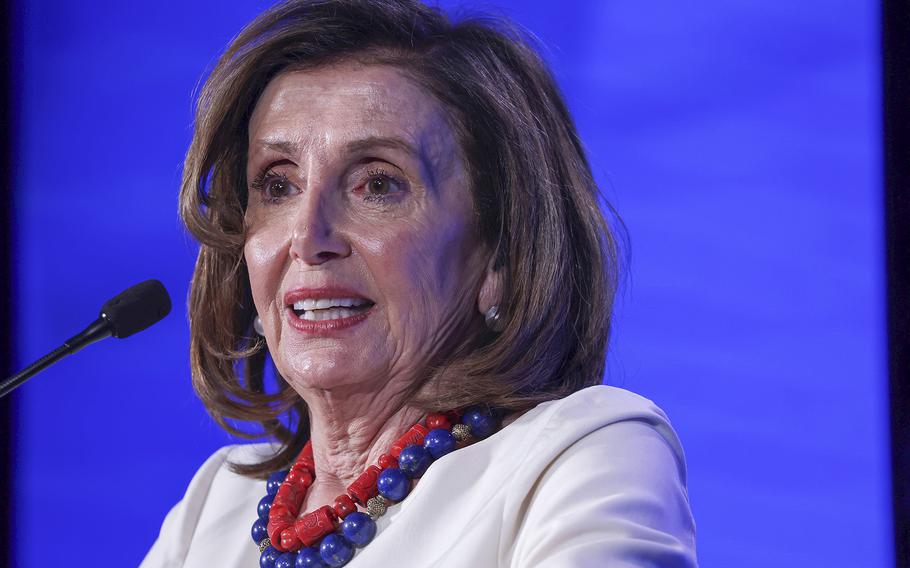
(379, 184)
(273, 186)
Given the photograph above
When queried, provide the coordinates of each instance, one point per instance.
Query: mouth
(325, 311)
(328, 309)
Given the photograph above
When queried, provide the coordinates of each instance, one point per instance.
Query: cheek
(265, 252)
(422, 263)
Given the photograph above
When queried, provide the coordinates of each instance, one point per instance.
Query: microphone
(129, 312)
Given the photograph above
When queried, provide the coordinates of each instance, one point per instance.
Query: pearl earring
(493, 318)
(257, 326)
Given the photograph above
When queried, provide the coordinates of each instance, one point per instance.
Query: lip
(325, 327)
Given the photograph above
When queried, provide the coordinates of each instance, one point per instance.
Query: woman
(397, 212)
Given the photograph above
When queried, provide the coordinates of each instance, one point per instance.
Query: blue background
(740, 142)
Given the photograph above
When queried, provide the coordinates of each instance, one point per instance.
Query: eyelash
(379, 197)
(261, 183)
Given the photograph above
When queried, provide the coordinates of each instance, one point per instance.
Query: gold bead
(264, 544)
(461, 432)
(377, 506)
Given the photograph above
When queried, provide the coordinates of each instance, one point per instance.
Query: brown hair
(535, 198)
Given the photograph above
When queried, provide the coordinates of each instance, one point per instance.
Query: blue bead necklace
(415, 452)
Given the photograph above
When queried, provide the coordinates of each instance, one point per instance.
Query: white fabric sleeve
(172, 545)
(616, 498)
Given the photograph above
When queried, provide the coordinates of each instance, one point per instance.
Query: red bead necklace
(287, 532)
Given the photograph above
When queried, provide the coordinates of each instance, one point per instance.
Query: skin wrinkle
(417, 256)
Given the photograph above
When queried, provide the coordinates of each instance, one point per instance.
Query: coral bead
(275, 481)
(439, 442)
(275, 528)
(268, 557)
(335, 550)
(386, 461)
(309, 558)
(481, 422)
(290, 496)
(414, 461)
(315, 525)
(344, 506)
(305, 460)
(279, 517)
(437, 421)
(289, 540)
(413, 436)
(393, 484)
(364, 486)
(259, 531)
(358, 528)
(265, 505)
(286, 560)
(300, 478)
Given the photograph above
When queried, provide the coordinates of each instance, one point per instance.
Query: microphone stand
(98, 330)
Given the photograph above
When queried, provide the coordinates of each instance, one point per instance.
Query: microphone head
(136, 308)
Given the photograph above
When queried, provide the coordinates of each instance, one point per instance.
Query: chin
(327, 369)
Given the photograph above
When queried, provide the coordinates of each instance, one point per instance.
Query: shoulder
(605, 479)
(609, 412)
(213, 493)
(601, 405)
(215, 477)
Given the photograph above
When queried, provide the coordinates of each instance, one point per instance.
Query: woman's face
(360, 243)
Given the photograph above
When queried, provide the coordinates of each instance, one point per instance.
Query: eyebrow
(292, 148)
(381, 142)
(281, 146)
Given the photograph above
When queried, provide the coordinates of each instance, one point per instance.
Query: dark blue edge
(8, 70)
(896, 99)
(7, 141)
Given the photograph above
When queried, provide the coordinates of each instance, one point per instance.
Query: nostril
(311, 245)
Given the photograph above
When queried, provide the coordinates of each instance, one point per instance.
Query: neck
(349, 431)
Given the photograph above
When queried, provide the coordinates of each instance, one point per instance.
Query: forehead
(345, 101)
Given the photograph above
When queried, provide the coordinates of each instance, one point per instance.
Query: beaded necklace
(328, 536)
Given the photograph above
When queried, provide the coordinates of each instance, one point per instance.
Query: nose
(315, 238)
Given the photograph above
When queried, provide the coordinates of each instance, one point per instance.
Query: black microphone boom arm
(133, 310)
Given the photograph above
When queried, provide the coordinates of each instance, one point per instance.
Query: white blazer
(595, 480)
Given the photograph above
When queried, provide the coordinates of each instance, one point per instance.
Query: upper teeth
(322, 304)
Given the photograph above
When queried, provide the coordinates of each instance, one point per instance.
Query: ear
(490, 289)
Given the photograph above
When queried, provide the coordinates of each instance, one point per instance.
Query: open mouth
(325, 309)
